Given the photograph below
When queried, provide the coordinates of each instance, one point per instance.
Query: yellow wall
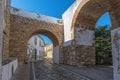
(48, 51)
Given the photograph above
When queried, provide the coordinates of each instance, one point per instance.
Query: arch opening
(43, 45)
(84, 17)
(49, 34)
(103, 46)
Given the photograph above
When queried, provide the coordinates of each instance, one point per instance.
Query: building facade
(35, 48)
(48, 51)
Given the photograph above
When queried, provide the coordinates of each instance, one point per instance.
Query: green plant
(103, 43)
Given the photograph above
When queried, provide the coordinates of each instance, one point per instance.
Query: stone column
(1, 33)
(80, 51)
(7, 28)
(84, 40)
(115, 36)
(56, 54)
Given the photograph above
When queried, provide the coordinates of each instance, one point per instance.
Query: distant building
(48, 50)
(36, 48)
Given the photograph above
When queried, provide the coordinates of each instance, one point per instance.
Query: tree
(103, 45)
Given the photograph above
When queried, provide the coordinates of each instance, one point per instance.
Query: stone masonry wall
(6, 30)
(79, 55)
(22, 28)
(80, 51)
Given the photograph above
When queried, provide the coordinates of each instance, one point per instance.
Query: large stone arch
(89, 11)
(22, 28)
(85, 19)
(82, 31)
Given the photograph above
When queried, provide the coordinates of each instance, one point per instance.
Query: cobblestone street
(45, 70)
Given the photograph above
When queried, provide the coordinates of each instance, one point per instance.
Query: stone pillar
(61, 54)
(115, 36)
(80, 51)
(7, 28)
(1, 33)
(84, 40)
(56, 54)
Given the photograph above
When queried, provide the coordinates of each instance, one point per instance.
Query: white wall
(115, 36)
(2, 2)
(67, 19)
(39, 47)
(56, 54)
(67, 43)
(36, 16)
(48, 51)
(84, 37)
(7, 69)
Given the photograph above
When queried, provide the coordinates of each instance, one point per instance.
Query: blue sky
(46, 39)
(54, 8)
(104, 20)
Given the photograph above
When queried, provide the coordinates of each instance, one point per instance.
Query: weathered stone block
(79, 55)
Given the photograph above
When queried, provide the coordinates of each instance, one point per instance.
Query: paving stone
(46, 71)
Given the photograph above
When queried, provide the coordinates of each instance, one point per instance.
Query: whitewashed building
(36, 48)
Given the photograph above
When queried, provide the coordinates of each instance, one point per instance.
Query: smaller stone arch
(55, 41)
(22, 28)
(47, 33)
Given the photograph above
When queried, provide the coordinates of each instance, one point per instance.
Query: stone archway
(22, 28)
(88, 12)
(55, 41)
(85, 17)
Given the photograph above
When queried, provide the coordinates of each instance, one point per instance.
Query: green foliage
(103, 43)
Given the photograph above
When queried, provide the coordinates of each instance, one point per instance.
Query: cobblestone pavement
(98, 72)
(22, 72)
(47, 71)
